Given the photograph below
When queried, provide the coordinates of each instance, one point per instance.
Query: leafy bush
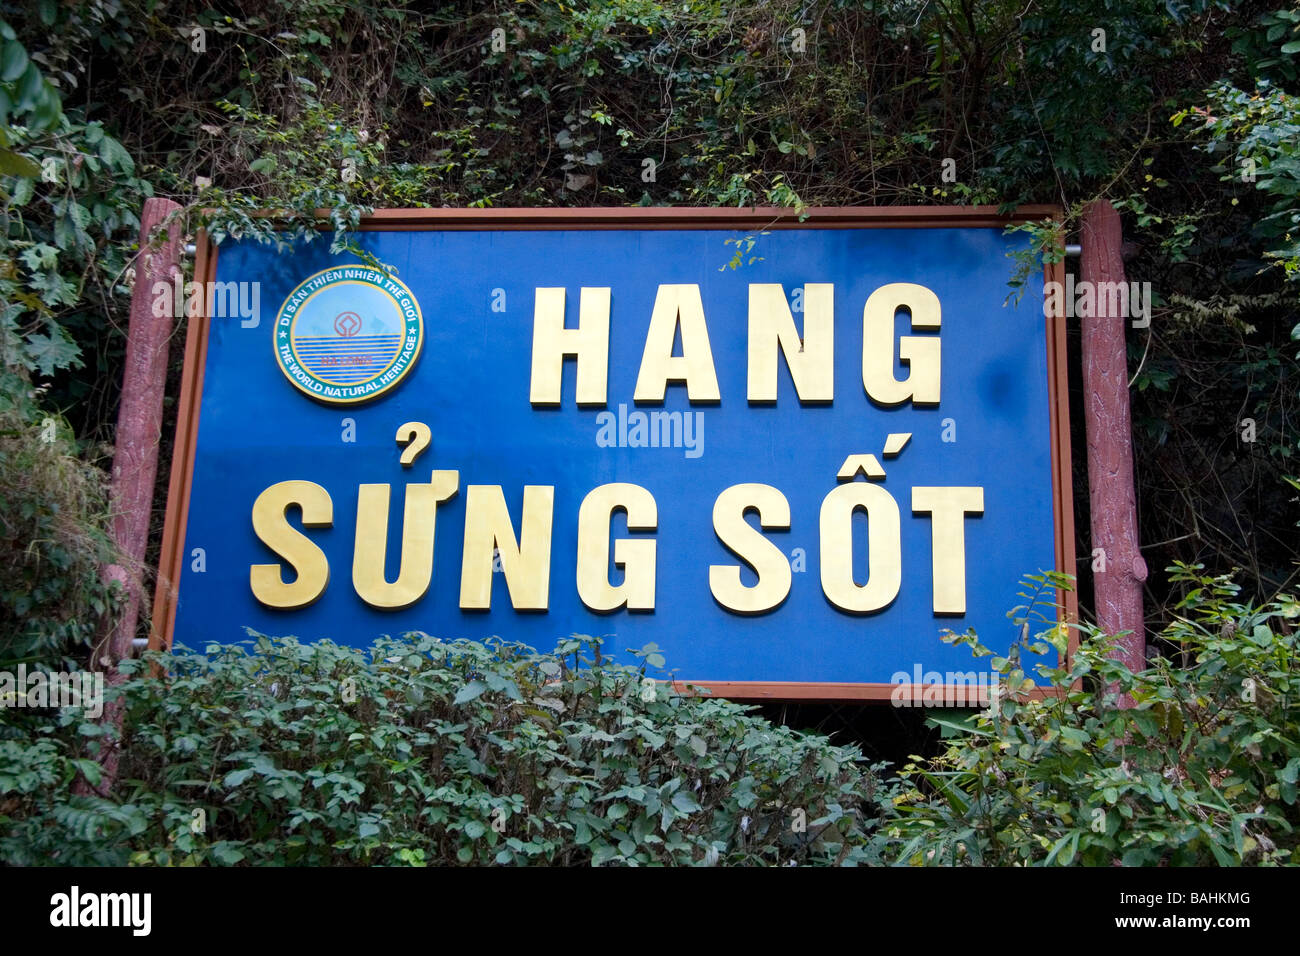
(66, 189)
(1201, 771)
(424, 752)
(53, 535)
(1259, 128)
(419, 752)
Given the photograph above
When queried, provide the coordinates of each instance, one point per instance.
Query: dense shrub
(424, 752)
(66, 190)
(1202, 770)
(54, 517)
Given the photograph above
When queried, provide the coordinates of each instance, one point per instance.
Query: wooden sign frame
(676, 218)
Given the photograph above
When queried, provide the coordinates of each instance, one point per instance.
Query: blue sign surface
(468, 376)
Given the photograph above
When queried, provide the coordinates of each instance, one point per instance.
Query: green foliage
(423, 752)
(1270, 47)
(66, 192)
(53, 537)
(313, 163)
(1046, 247)
(1201, 771)
(1260, 131)
(25, 94)
(298, 106)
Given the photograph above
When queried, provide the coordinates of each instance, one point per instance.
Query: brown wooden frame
(886, 217)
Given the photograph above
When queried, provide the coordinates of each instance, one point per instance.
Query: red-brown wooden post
(1108, 419)
(135, 456)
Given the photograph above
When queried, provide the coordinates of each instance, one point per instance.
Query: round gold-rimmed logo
(348, 334)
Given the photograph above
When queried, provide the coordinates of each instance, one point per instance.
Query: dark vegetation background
(302, 104)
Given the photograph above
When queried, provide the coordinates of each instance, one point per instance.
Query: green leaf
(23, 192)
(227, 853)
(29, 88)
(13, 61)
(1067, 857)
(236, 777)
(684, 802)
(90, 770)
(470, 692)
(15, 164)
(115, 154)
(48, 109)
(49, 353)
(961, 728)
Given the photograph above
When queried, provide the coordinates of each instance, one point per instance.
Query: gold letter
(742, 540)
(526, 563)
(635, 557)
(271, 525)
(811, 360)
(884, 547)
(371, 547)
(920, 354)
(948, 508)
(552, 342)
(677, 304)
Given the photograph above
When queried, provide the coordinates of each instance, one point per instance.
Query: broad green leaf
(13, 61)
(15, 164)
(684, 802)
(470, 692)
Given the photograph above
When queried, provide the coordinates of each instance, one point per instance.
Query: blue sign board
(790, 457)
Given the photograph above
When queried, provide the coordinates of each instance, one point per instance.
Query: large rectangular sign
(788, 453)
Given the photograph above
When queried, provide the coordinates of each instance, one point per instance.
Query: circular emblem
(348, 334)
